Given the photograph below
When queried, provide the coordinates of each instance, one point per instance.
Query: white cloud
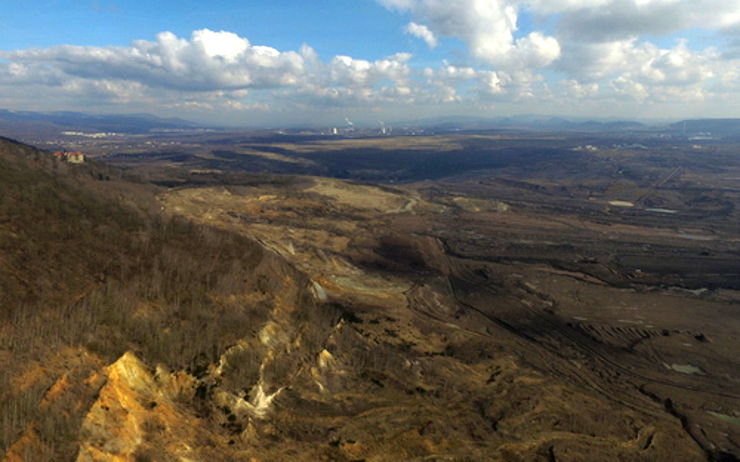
(225, 45)
(487, 26)
(209, 71)
(598, 46)
(537, 50)
(208, 61)
(360, 75)
(642, 61)
(579, 90)
(627, 88)
(422, 32)
(594, 52)
(602, 20)
(469, 84)
(491, 83)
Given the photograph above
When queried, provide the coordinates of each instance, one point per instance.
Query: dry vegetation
(300, 318)
(85, 273)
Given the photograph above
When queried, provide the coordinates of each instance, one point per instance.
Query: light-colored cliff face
(135, 409)
(114, 428)
(146, 413)
(156, 414)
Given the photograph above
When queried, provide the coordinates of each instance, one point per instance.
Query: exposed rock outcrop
(135, 406)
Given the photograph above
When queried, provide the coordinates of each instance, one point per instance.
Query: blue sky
(357, 27)
(252, 62)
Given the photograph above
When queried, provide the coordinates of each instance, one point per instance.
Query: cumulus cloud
(464, 83)
(602, 20)
(604, 42)
(642, 61)
(587, 51)
(210, 70)
(579, 90)
(598, 46)
(422, 32)
(351, 72)
(208, 61)
(487, 26)
(591, 32)
(628, 88)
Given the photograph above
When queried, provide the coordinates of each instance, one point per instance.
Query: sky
(248, 62)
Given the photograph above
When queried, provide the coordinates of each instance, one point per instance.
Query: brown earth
(322, 319)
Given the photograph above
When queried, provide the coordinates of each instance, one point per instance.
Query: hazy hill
(66, 120)
(528, 123)
(729, 128)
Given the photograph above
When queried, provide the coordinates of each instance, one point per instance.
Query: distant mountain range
(715, 127)
(531, 123)
(13, 123)
(119, 123)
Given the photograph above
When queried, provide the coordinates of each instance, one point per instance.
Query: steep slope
(86, 280)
